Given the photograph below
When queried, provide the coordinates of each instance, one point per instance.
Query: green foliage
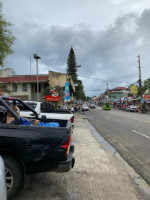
(88, 98)
(46, 92)
(146, 85)
(71, 65)
(72, 70)
(60, 91)
(6, 38)
(80, 91)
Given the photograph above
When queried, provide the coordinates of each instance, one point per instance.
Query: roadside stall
(146, 98)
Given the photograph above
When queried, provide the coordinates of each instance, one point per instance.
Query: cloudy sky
(106, 35)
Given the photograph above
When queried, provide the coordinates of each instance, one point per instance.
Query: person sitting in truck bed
(15, 108)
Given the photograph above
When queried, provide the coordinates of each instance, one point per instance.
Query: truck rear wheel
(14, 176)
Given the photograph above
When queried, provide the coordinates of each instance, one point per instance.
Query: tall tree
(80, 91)
(71, 65)
(6, 38)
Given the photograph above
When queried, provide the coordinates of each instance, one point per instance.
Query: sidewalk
(97, 175)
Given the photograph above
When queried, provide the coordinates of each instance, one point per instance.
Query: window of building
(39, 88)
(14, 88)
(4, 88)
(24, 88)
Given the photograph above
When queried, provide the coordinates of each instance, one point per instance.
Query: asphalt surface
(128, 133)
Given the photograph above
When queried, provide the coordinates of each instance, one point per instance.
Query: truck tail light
(72, 119)
(66, 145)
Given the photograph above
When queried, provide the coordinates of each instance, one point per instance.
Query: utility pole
(140, 81)
(107, 92)
(30, 65)
(37, 74)
(107, 86)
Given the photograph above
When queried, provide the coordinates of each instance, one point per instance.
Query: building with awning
(117, 94)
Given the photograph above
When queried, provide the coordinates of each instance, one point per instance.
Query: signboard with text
(53, 97)
(134, 89)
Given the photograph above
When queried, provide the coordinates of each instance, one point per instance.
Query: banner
(134, 89)
(53, 97)
(67, 92)
(146, 97)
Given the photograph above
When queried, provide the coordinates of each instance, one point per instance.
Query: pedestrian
(76, 108)
(79, 109)
(72, 109)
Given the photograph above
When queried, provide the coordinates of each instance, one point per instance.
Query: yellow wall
(56, 78)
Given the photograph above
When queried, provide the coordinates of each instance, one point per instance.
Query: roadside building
(118, 96)
(25, 86)
(95, 100)
(59, 79)
(22, 86)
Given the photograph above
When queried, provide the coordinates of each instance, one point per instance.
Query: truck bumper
(65, 166)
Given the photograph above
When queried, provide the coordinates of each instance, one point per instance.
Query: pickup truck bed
(34, 149)
(45, 109)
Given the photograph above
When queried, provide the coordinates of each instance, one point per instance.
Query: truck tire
(14, 176)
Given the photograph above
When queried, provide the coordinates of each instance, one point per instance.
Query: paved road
(129, 133)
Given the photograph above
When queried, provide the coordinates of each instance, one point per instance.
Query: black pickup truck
(32, 149)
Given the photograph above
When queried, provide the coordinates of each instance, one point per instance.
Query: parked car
(28, 148)
(45, 109)
(85, 107)
(92, 105)
(3, 193)
(132, 108)
(106, 106)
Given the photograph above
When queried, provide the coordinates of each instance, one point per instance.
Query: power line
(103, 79)
(96, 90)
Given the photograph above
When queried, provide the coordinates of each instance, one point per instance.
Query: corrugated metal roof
(120, 88)
(24, 78)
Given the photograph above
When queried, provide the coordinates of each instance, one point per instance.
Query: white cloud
(106, 38)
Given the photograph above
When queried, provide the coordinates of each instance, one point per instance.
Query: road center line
(141, 134)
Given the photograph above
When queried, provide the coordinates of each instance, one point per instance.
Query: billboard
(134, 89)
(67, 92)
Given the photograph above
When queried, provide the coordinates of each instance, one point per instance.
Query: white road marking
(141, 134)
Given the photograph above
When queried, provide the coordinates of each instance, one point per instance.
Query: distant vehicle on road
(106, 106)
(85, 107)
(92, 105)
(132, 108)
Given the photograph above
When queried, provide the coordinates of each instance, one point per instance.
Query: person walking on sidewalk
(72, 109)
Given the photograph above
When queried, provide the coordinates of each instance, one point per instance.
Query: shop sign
(53, 97)
(147, 97)
(134, 89)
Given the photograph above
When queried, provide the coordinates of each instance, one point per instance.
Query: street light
(37, 76)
